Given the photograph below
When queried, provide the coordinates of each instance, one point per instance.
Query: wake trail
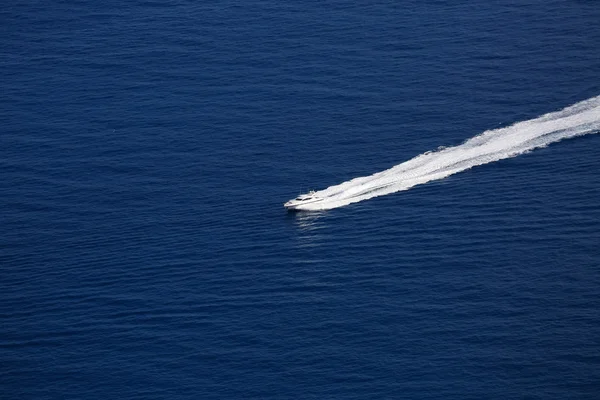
(579, 119)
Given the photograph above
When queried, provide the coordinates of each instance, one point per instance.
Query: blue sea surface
(146, 151)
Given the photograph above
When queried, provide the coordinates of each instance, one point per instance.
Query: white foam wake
(579, 119)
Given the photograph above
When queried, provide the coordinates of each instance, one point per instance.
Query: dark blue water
(146, 149)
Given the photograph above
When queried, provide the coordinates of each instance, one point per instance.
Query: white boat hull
(301, 201)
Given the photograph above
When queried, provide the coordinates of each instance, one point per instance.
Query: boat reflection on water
(309, 226)
(308, 220)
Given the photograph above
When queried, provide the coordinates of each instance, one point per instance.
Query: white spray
(579, 119)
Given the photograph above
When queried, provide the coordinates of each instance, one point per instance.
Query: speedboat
(302, 200)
